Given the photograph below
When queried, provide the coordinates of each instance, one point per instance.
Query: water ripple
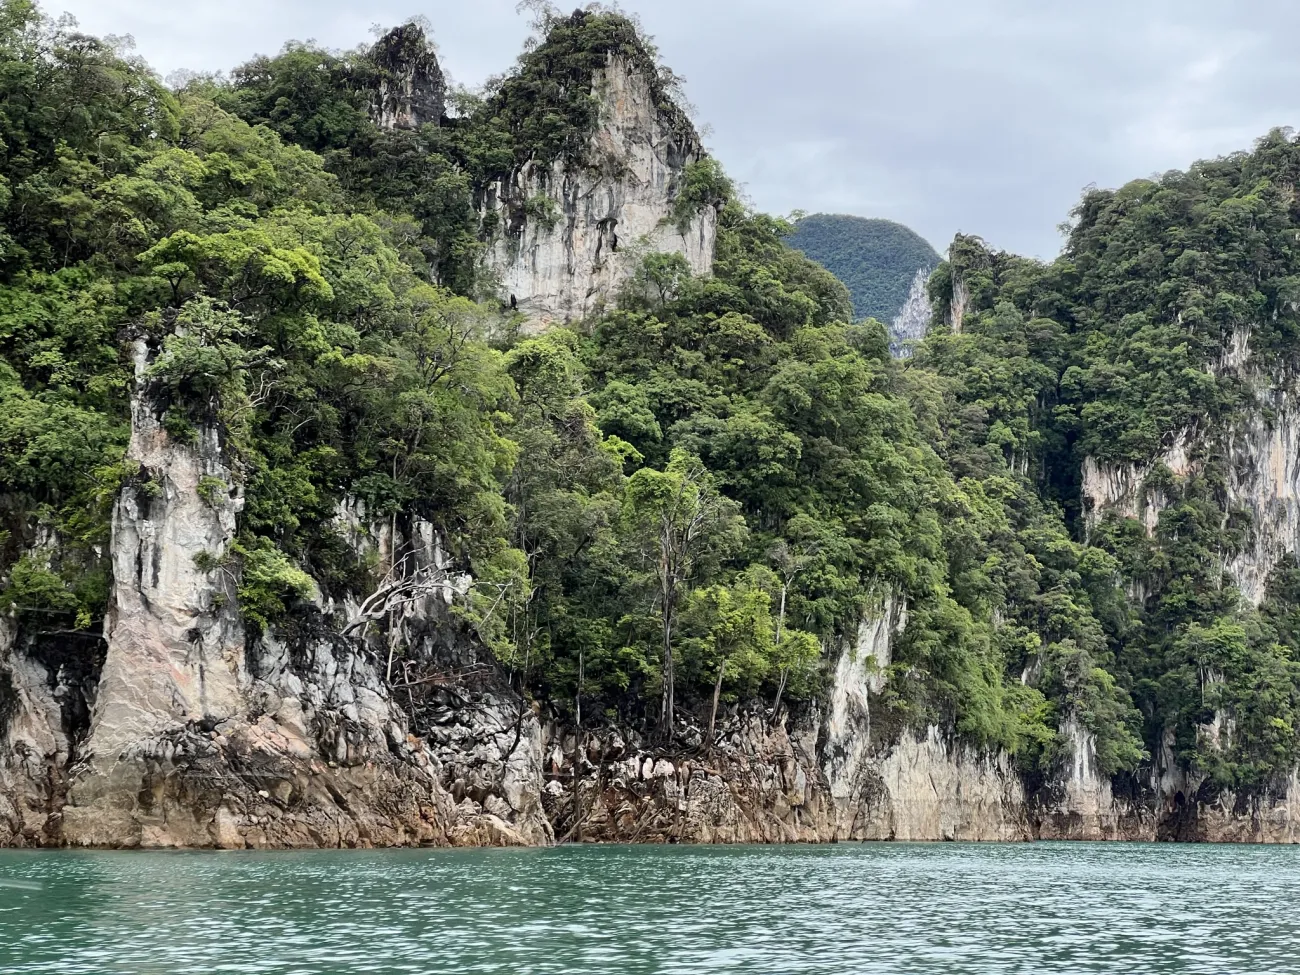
(627, 911)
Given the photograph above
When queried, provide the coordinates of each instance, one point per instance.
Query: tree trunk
(666, 715)
(717, 694)
(780, 689)
(576, 829)
(785, 671)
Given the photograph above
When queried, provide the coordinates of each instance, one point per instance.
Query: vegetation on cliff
(1134, 340)
(688, 502)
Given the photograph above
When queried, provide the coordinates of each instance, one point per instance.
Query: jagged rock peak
(588, 198)
(567, 57)
(411, 89)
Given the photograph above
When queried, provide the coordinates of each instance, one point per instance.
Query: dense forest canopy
(688, 502)
(876, 259)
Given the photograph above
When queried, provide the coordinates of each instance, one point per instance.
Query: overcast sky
(980, 116)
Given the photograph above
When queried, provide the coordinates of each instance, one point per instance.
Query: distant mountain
(877, 259)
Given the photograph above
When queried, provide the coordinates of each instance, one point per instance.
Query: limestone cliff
(202, 736)
(1260, 452)
(570, 232)
(1123, 489)
(912, 322)
(409, 89)
(38, 701)
(833, 775)
(1261, 448)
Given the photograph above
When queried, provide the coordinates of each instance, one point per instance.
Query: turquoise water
(1042, 908)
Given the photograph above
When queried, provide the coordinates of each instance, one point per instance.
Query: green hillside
(877, 259)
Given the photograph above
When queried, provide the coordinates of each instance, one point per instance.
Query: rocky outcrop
(754, 784)
(1124, 489)
(913, 320)
(1264, 481)
(1080, 803)
(1271, 817)
(375, 719)
(571, 233)
(34, 745)
(409, 89)
(903, 784)
(1261, 450)
(827, 777)
(201, 737)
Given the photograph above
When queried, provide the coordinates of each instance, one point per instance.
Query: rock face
(34, 745)
(756, 784)
(410, 90)
(203, 738)
(1261, 451)
(913, 321)
(1080, 804)
(193, 732)
(1123, 489)
(572, 234)
(830, 777)
(900, 784)
(1264, 479)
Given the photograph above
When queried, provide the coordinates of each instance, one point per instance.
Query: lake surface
(1043, 908)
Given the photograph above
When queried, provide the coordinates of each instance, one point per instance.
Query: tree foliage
(876, 259)
(691, 502)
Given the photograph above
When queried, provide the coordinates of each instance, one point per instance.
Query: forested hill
(690, 500)
(876, 259)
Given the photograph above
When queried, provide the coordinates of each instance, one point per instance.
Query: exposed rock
(959, 306)
(908, 786)
(1262, 453)
(1122, 488)
(754, 786)
(34, 747)
(572, 234)
(200, 738)
(1272, 817)
(1081, 804)
(913, 321)
(837, 778)
(1264, 480)
(410, 90)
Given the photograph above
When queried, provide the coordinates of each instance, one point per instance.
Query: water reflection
(949, 908)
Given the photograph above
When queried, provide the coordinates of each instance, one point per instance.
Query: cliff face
(572, 234)
(201, 737)
(913, 322)
(909, 784)
(35, 742)
(294, 739)
(410, 90)
(831, 776)
(1260, 451)
(1123, 489)
(1264, 480)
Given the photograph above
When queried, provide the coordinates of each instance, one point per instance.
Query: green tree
(677, 525)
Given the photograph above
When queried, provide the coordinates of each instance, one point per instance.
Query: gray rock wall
(605, 213)
(912, 323)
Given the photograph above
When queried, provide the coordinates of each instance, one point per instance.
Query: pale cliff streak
(912, 323)
(201, 738)
(609, 210)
